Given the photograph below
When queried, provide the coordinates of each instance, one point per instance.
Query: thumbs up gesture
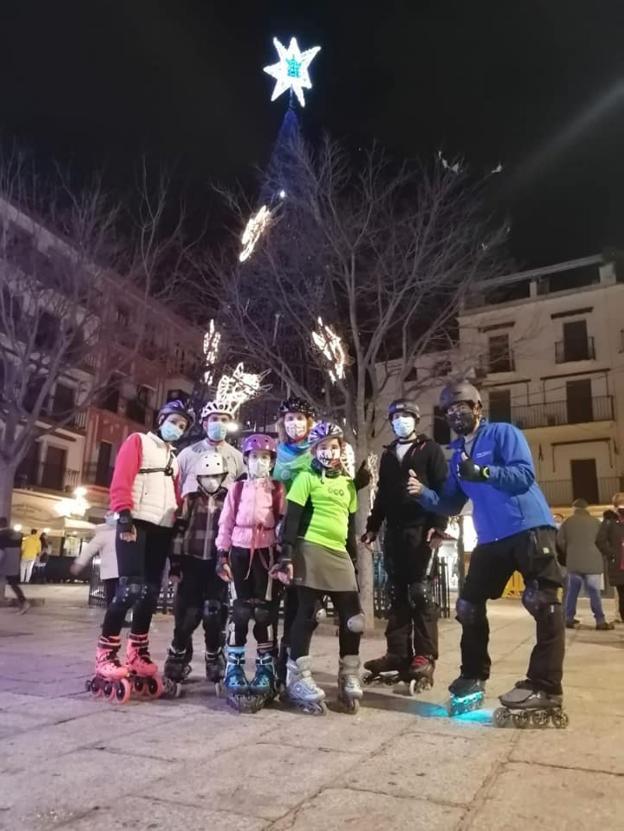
(414, 486)
(470, 471)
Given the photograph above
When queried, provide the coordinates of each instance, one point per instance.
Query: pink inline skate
(142, 671)
(111, 678)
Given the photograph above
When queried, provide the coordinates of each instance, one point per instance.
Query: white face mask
(329, 458)
(259, 468)
(403, 426)
(296, 429)
(209, 484)
(217, 431)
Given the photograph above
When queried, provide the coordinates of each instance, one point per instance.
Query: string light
(253, 231)
(235, 389)
(291, 71)
(330, 345)
(212, 340)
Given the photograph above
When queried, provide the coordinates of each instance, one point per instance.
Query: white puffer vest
(153, 493)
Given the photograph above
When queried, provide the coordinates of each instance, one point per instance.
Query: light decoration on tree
(235, 389)
(291, 72)
(78, 506)
(212, 341)
(253, 231)
(330, 346)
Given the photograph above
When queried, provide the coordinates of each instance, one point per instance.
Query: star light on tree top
(291, 73)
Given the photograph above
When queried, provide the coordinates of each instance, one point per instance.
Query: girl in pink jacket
(246, 552)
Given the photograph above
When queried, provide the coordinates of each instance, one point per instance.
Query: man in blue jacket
(492, 466)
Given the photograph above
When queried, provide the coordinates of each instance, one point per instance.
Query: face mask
(111, 520)
(403, 426)
(209, 484)
(296, 429)
(329, 458)
(217, 431)
(171, 432)
(259, 468)
(462, 422)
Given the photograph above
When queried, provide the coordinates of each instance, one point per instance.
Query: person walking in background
(576, 545)
(610, 541)
(10, 545)
(103, 543)
(31, 549)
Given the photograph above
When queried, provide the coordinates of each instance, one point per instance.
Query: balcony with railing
(562, 492)
(497, 362)
(97, 474)
(558, 413)
(48, 477)
(567, 351)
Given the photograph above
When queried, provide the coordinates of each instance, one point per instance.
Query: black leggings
(201, 596)
(256, 595)
(141, 565)
(346, 604)
(13, 582)
(620, 592)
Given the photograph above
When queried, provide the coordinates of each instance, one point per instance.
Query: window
(579, 401)
(110, 399)
(47, 334)
(33, 389)
(103, 468)
(584, 480)
(500, 405)
(53, 469)
(442, 368)
(576, 345)
(499, 354)
(441, 430)
(143, 395)
(64, 401)
(122, 316)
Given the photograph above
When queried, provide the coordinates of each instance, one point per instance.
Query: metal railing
(47, 477)
(556, 413)
(439, 587)
(581, 350)
(561, 493)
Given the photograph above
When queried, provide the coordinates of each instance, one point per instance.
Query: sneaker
(25, 606)
(572, 624)
(604, 626)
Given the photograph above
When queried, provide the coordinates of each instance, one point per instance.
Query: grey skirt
(318, 567)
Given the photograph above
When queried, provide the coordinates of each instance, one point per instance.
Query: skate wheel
(540, 719)
(560, 720)
(88, 685)
(521, 720)
(217, 689)
(351, 707)
(368, 678)
(171, 688)
(121, 692)
(107, 689)
(318, 709)
(153, 687)
(502, 717)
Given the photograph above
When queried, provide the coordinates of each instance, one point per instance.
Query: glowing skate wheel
(521, 720)
(502, 717)
(540, 719)
(560, 720)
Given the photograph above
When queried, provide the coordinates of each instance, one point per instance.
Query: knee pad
(355, 623)
(241, 613)
(539, 600)
(467, 613)
(320, 612)
(263, 613)
(418, 595)
(212, 612)
(129, 591)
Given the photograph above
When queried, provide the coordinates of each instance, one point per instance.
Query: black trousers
(140, 565)
(13, 582)
(201, 596)
(412, 627)
(309, 601)
(620, 593)
(256, 596)
(532, 553)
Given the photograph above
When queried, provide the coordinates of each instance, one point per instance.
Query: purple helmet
(259, 441)
(176, 407)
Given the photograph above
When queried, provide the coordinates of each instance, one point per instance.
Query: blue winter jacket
(510, 501)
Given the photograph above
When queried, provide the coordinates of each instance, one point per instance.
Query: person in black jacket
(411, 534)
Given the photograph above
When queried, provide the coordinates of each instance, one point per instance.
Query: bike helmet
(458, 392)
(209, 464)
(211, 407)
(324, 430)
(404, 406)
(176, 407)
(259, 441)
(296, 405)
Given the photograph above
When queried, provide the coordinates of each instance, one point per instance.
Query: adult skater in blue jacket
(492, 466)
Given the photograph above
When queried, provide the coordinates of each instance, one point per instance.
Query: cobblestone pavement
(67, 761)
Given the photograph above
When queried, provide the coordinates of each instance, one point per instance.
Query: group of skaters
(276, 522)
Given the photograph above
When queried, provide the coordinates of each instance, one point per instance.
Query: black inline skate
(525, 706)
(385, 670)
(215, 669)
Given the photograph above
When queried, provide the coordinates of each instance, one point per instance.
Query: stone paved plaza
(68, 761)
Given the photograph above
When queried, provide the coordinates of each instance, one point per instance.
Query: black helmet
(458, 392)
(404, 406)
(176, 407)
(294, 404)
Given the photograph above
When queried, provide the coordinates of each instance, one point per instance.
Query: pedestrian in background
(103, 543)
(610, 541)
(10, 546)
(576, 544)
(31, 549)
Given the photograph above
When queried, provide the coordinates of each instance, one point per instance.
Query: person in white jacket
(103, 543)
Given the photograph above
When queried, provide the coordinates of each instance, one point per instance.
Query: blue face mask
(217, 431)
(171, 432)
(404, 426)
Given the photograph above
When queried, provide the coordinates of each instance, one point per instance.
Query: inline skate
(111, 678)
(302, 691)
(525, 706)
(175, 672)
(237, 691)
(215, 669)
(263, 685)
(467, 694)
(142, 671)
(349, 688)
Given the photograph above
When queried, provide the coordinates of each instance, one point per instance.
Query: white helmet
(209, 464)
(211, 407)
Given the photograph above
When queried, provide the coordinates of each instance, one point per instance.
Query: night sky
(536, 84)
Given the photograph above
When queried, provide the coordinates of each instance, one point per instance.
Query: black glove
(470, 471)
(175, 568)
(284, 559)
(179, 527)
(125, 522)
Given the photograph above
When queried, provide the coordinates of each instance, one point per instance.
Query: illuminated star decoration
(239, 387)
(253, 231)
(330, 345)
(291, 73)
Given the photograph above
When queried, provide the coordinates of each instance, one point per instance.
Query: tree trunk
(7, 476)
(365, 562)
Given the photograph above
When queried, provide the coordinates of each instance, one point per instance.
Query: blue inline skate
(467, 694)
